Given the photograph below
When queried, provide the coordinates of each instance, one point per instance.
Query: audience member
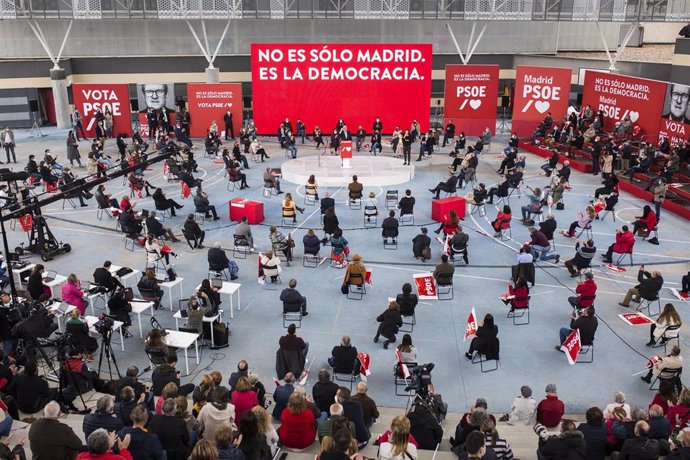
(424, 427)
(171, 431)
(102, 418)
(216, 413)
(551, 409)
(594, 432)
(282, 393)
(523, 410)
(398, 446)
(51, 439)
(648, 289)
(352, 409)
(369, 409)
(292, 300)
(390, 322)
(324, 391)
(298, 428)
(100, 445)
(569, 443)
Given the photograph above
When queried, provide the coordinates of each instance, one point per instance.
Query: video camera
(421, 379)
(38, 324)
(104, 325)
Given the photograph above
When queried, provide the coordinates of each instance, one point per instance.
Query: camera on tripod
(104, 325)
(421, 379)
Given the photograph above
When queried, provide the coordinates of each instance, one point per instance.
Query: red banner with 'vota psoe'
(538, 91)
(115, 98)
(320, 83)
(619, 96)
(210, 101)
(471, 97)
(675, 122)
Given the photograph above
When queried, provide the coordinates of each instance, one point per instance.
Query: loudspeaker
(33, 105)
(505, 101)
(135, 104)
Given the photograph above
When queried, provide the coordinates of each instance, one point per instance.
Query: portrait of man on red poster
(675, 123)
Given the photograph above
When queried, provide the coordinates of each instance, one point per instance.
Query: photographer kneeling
(569, 442)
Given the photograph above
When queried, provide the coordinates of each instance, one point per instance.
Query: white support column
(455, 42)
(471, 44)
(58, 78)
(212, 72)
(619, 52)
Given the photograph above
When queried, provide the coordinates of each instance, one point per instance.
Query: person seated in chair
(501, 190)
(407, 301)
(192, 231)
(449, 225)
(138, 183)
(585, 322)
(665, 367)
(648, 289)
(149, 285)
(155, 228)
(244, 233)
(406, 204)
(586, 292)
(520, 294)
(202, 204)
(389, 226)
(625, 241)
(449, 186)
(443, 273)
(163, 203)
(483, 341)
(645, 223)
(343, 358)
(458, 245)
(502, 221)
(270, 265)
(129, 223)
(584, 253)
(355, 189)
(120, 308)
(188, 179)
(79, 331)
(105, 280)
(217, 259)
(292, 300)
(312, 243)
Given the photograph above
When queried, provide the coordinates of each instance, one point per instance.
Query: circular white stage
(370, 170)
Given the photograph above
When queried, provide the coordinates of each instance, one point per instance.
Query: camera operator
(570, 443)
(424, 426)
(9, 317)
(39, 323)
(31, 390)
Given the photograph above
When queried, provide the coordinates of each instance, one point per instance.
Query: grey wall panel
(109, 37)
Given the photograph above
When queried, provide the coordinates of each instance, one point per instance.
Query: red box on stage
(441, 208)
(345, 149)
(240, 207)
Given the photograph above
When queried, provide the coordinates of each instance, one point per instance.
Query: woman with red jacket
(449, 225)
(519, 293)
(502, 221)
(646, 221)
(679, 415)
(244, 397)
(298, 430)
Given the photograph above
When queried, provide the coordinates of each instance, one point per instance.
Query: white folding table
(59, 279)
(207, 319)
(17, 272)
(229, 290)
(169, 285)
(139, 307)
(123, 279)
(183, 340)
(58, 312)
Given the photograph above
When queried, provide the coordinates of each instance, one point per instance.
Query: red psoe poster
(210, 101)
(538, 91)
(620, 96)
(320, 83)
(471, 98)
(89, 98)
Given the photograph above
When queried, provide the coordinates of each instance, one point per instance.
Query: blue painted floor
(527, 354)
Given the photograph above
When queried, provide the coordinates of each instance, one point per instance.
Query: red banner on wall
(115, 98)
(538, 91)
(619, 96)
(319, 83)
(471, 97)
(210, 101)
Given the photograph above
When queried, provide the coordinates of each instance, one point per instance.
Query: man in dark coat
(293, 301)
(352, 409)
(51, 440)
(282, 394)
(424, 427)
(568, 445)
(641, 446)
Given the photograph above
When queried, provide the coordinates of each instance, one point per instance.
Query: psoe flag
(426, 286)
(471, 327)
(572, 346)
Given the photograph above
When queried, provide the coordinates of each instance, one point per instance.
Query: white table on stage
(207, 319)
(117, 326)
(17, 272)
(183, 340)
(59, 279)
(169, 285)
(123, 279)
(229, 290)
(140, 306)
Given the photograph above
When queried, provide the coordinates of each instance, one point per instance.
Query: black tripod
(107, 350)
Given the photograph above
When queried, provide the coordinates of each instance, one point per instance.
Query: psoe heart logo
(542, 106)
(634, 116)
(348, 149)
(475, 103)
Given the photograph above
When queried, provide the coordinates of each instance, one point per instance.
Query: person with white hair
(100, 445)
(102, 418)
(325, 427)
(619, 401)
(51, 439)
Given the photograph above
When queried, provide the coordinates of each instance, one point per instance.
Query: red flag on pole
(572, 346)
(471, 327)
(365, 363)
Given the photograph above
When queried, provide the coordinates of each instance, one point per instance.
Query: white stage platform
(370, 170)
